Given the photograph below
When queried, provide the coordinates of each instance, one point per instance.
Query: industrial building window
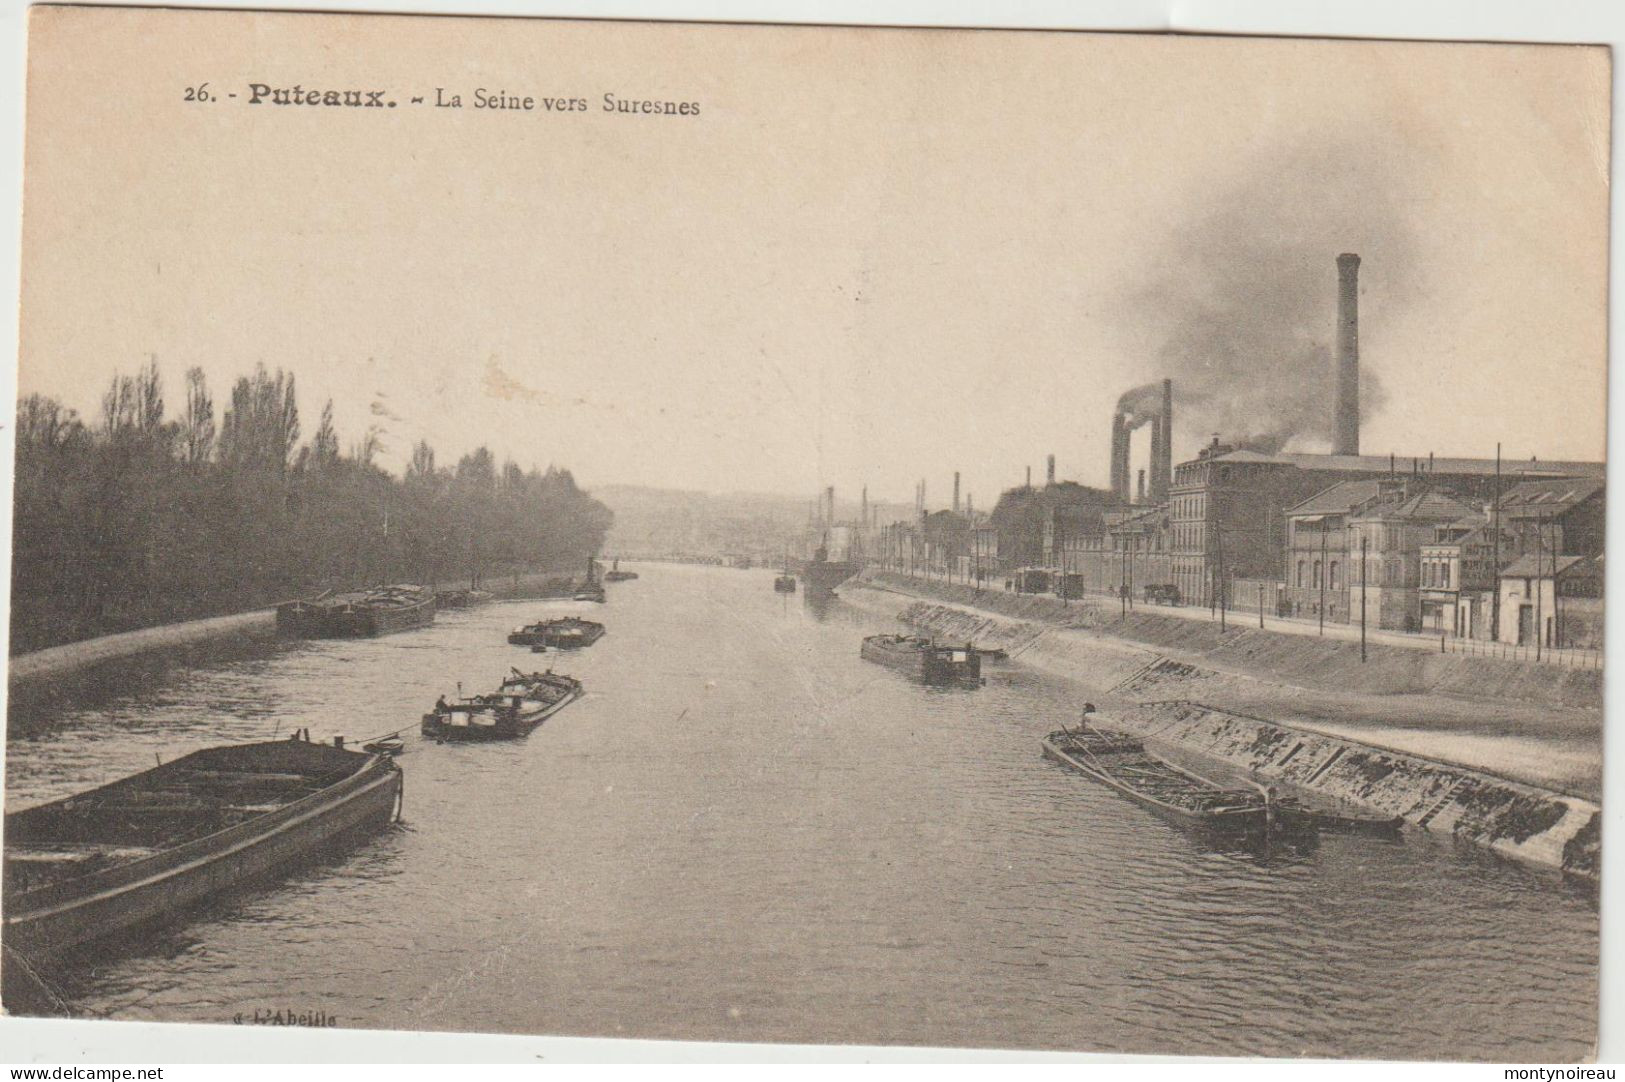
(1332, 575)
(1317, 574)
(1444, 575)
(1300, 573)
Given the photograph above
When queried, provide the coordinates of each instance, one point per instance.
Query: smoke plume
(1242, 304)
(1140, 405)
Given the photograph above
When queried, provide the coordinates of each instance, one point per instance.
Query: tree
(197, 434)
(262, 426)
(324, 446)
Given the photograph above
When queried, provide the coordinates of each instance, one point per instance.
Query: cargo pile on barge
(358, 614)
(924, 660)
(562, 633)
(513, 710)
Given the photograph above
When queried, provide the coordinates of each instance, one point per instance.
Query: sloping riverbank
(1529, 823)
(1514, 776)
(1302, 660)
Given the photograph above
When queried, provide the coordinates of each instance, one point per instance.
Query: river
(743, 832)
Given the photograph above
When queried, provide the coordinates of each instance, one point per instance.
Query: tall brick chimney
(1346, 418)
(1119, 470)
(956, 492)
(1049, 473)
(1162, 449)
(1140, 498)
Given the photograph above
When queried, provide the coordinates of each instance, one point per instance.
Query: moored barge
(461, 599)
(357, 614)
(142, 850)
(515, 709)
(923, 659)
(1121, 761)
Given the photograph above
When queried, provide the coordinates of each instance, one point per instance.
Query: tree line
(136, 518)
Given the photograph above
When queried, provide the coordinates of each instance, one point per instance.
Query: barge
(1121, 762)
(563, 633)
(514, 710)
(357, 614)
(923, 659)
(143, 850)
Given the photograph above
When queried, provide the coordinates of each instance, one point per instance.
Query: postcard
(826, 535)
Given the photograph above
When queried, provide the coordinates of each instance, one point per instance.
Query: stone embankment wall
(1532, 824)
(62, 667)
(1520, 821)
(1300, 660)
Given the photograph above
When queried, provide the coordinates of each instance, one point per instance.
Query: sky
(874, 256)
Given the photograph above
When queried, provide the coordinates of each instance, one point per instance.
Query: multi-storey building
(1228, 506)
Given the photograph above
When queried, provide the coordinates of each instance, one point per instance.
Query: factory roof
(1432, 504)
(1547, 497)
(1534, 566)
(1339, 499)
(1511, 468)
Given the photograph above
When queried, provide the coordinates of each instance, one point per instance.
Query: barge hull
(189, 875)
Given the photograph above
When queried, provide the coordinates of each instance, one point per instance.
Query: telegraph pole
(1557, 596)
(1320, 576)
(1362, 597)
(1131, 546)
(1495, 542)
(1540, 567)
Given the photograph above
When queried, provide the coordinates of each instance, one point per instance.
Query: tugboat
(515, 709)
(823, 574)
(359, 614)
(591, 589)
(615, 574)
(562, 633)
(785, 583)
(924, 660)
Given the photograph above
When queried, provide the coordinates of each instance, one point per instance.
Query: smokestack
(1029, 477)
(1119, 481)
(1162, 450)
(1346, 418)
(1049, 472)
(1141, 497)
(1154, 460)
(863, 515)
(956, 492)
(829, 497)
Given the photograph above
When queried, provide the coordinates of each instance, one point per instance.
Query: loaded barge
(358, 614)
(563, 633)
(515, 709)
(142, 850)
(923, 659)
